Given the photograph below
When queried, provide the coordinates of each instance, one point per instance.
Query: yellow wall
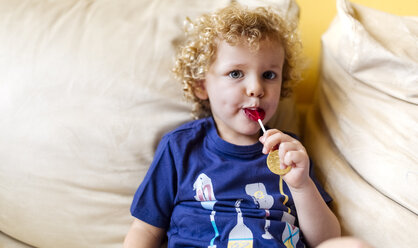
(315, 17)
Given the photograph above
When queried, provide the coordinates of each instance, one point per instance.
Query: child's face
(239, 79)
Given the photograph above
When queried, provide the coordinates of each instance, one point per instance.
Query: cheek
(221, 100)
(274, 100)
(276, 92)
(226, 96)
(225, 102)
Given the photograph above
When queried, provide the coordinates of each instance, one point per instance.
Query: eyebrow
(232, 65)
(276, 66)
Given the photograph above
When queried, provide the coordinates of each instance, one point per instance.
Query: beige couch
(86, 93)
(363, 128)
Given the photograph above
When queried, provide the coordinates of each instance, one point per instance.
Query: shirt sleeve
(153, 201)
(327, 198)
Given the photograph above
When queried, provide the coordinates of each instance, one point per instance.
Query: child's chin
(255, 132)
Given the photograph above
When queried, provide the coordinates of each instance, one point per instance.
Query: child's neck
(240, 139)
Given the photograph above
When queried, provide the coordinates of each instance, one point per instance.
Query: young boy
(209, 184)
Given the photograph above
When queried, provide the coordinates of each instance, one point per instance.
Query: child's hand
(292, 153)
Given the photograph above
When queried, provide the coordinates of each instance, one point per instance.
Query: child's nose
(255, 88)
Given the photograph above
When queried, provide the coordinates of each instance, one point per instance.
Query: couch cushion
(369, 96)
(363, 211)
(8, 242)
(367, 104)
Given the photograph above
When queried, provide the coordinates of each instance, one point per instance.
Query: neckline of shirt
(228, 148)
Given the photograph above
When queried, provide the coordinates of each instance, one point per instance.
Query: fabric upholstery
(363, 127)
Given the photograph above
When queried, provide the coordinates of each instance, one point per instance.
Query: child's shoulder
(191, 129)
(191, 126)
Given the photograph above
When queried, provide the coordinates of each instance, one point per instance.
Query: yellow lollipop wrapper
(273, 163)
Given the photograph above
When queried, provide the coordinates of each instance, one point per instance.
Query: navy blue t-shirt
(207, 192)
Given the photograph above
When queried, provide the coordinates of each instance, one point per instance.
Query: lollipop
(273, 159)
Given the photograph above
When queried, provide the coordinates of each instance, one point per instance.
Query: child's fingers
(294, 158)
(272, 138)
(285, 147)
(268, 141)
(267, 134)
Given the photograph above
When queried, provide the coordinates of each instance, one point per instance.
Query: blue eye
(236, 74)
(269, 75)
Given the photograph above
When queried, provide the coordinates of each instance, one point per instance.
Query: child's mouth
(255, 113)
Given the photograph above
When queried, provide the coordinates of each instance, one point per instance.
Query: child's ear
(200, 90)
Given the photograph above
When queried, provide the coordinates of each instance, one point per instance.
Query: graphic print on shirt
(290, 236)
(206, 196)
(263, 201)
(240, 236)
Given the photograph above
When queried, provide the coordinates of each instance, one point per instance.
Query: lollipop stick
(261, 125)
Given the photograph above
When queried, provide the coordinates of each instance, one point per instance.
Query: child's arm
(143, 235)
(316, 220)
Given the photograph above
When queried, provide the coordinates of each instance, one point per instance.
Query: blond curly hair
(234, 24)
